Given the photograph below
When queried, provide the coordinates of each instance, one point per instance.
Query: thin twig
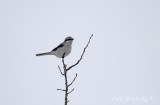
(81, 55)
(60, 70)
(61, 89)
(73, 80)
(71, 91)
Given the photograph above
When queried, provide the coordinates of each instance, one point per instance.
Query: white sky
(121, 63)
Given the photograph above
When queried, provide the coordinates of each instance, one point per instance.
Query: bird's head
(68, 39)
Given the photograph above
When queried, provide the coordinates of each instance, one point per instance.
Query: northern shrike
(61, 50)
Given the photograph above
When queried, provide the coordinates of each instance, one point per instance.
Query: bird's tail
(41, 54)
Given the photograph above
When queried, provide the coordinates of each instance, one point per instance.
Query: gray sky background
(120, 67)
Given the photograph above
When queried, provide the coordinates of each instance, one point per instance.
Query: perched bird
(61, 50)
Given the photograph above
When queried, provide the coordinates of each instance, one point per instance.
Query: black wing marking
(61, 45)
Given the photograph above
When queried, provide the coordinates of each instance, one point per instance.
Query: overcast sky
(121, 66)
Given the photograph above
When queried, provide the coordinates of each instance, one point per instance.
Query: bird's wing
(61, 45)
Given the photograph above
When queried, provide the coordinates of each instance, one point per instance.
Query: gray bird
(61, 50)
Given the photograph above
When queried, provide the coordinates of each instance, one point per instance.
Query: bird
(62, 50)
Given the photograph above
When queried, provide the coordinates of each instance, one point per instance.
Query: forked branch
(64, 73)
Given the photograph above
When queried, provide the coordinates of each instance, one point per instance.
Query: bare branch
(64, 73)
(66, 80)
(61, 89)
(73, 80)
(64, 65)
(60, 70)
(71, 91)
(81, 55)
